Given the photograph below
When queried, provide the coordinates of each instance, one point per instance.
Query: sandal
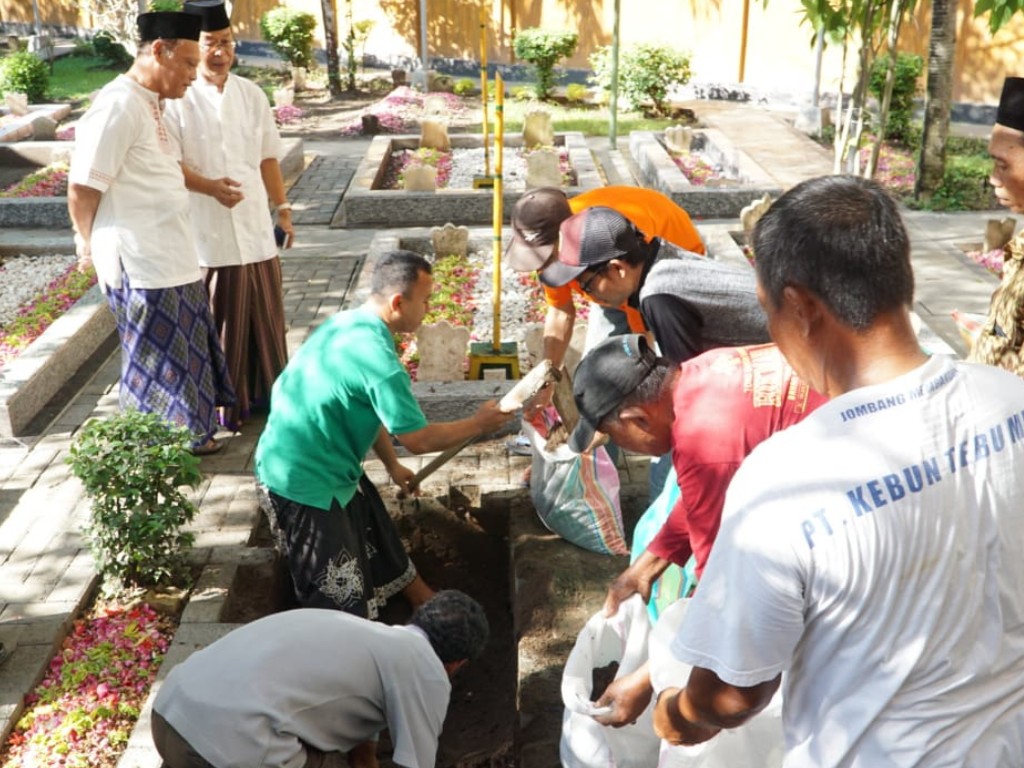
(211, 446)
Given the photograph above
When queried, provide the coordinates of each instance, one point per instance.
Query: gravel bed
(24, 277)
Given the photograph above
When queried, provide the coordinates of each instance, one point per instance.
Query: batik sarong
(348, 558)
(171, 359)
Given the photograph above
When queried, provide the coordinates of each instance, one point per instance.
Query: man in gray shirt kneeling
(311, 687)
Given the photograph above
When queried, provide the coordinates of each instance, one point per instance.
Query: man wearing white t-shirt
(311, 687)
(873, 551)
(230, 151)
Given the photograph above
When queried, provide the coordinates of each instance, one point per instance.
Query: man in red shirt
(711, 412)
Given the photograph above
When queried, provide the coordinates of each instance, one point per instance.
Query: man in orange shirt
(536, 218)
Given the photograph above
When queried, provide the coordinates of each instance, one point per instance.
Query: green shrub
(901, 108)
(523, 93)
(133, 466)
(23, 72)
(576, 93)
(290, 34)
(463, 87)
(647, 72)
(165, 5)
(543, 49)
(112, 52)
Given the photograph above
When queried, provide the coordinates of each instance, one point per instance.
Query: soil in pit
(455, 546)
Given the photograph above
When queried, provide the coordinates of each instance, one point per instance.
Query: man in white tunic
(872, 552)
(230, 151)
(309, 687)
(129, 208)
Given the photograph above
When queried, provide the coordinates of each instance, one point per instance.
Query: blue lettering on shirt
(874, 494)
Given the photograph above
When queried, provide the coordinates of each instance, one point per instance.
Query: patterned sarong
(171, 359)
(248, 309)
(348, 558)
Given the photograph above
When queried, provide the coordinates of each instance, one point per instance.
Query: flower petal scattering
(401, 111)
(456, 168)
(35, 291)
(51, 181)
(288, 113)
(83, 711)
(696, 169)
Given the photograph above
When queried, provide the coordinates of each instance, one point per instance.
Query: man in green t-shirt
(344, 392)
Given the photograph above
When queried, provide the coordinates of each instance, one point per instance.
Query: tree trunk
(331, 42)
(931, 164)
(895, 24)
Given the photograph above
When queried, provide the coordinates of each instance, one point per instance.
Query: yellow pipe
(743, 39)
(483, 87)
(499, 146)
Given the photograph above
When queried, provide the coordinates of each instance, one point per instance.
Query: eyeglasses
(585, 284)
(217, 45)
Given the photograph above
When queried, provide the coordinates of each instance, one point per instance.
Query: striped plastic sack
(577, 495)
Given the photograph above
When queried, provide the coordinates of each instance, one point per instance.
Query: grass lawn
(74, 78)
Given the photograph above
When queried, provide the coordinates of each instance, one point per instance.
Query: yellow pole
(499, 146)
(483, 87)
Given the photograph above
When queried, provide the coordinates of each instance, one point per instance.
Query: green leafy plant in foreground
(290, 34)
(24, 72)
(543, 49)
(133, 466)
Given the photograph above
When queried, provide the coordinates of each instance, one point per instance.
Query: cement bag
(576, 495)
(585, 742)
(758, 742)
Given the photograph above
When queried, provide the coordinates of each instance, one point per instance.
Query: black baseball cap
(605, 376)
(167, 25)
(535, 220)
(591, 237)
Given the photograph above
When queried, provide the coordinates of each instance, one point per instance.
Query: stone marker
(543, 169)
(678, 138)
(284, 97)
(434, 134)
(420, 178)
(998, 233)
(749, 216)
(17, 103)
(450, 240)
(44, 128)
(537, 129)
(442, 350)
(533, 340)
(434, 106)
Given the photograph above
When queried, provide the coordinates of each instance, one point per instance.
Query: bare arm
(83, 202)
(273, 180)
(363, 755)
(638, 578)
(385, 451)
(697, 712)
(438, 437)
(558, 325)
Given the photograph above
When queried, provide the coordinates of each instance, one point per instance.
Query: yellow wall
(779, 54)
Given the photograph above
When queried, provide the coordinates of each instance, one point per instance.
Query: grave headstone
(17, 103)
(537, 129)
(542, 169)
(44, 128)
(998, 233)
(450, 240)
(442, 350)
(679, 138)
(533, 341)
(434, 106)
(420, 178)
(434, 134)
(284, 97)
(750, 215)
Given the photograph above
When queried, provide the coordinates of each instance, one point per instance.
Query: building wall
(778, 56)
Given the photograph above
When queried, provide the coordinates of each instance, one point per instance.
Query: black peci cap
(167, 25)
(212, 12)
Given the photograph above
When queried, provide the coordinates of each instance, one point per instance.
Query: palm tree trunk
(931, 164)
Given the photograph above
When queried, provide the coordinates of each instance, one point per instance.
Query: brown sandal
(211, 446)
